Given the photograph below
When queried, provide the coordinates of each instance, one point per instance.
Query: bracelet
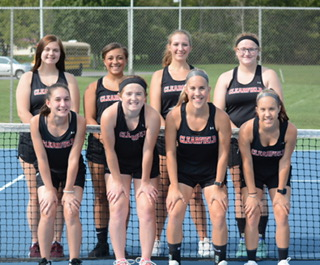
(252, 196)
(253, 192)
(68, 191)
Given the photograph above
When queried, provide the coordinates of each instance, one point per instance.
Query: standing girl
(266, 143)
(235, 92)
(197, 143)
(58, 135)
(166, 86)
(100, 95)
(129, 130)
(49, 69)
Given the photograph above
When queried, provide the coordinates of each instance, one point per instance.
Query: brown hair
(114, 45)
(40, 47)
(45, 110)
(250, 36)
(194, 72)
(167, 57)
(269, 92)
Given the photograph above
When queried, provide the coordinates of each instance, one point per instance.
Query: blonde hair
(183, 98)
(167, 57)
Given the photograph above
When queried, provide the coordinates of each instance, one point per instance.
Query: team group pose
(170, 171)
(49, 68)
(235, 92)
(266, 144)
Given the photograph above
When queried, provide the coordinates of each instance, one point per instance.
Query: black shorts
(161, 145)
(25, 148)
(59, 179)
(95, 151)
(136, 173)
(234, 154)
(203, 181)
(270, 182)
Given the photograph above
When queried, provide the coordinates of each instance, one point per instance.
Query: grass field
(301, 85)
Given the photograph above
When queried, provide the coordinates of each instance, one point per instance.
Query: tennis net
(15, 235)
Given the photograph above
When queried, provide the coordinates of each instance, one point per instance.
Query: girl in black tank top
(129, 130)
(58, 135)
(266, 144)
(197, 144)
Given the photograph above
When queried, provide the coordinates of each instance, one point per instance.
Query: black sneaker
(44, 261)
(100, 250)
(75, 262)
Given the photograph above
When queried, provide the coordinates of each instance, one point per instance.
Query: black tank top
(241, 99)
(104, 98)
(129, 144)
(39, 90)
(266, 158)
(170, 91)
(58, 148)
(197, 151)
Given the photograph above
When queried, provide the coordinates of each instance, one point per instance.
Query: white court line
(11, 182)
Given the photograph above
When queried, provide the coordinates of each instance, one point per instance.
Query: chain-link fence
(289, 36)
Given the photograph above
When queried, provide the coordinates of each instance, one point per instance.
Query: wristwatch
(217, 183)
(283, 192)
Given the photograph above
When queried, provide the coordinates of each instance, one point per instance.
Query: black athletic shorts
(234, 154)
(25, 148)
(95, 151)
(203, 181)
(270, 182)
(60, 178)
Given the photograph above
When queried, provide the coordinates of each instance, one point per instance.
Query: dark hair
(40, 47)
(133, 79)
(194, 72)
(114, 45)
(269, 92)
(167, 57)
(45, 110)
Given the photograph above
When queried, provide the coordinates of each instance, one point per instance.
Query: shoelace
(142, 261)
(123, 262)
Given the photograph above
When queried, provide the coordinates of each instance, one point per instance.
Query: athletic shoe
(157, 248)
(262, 251)
(242, 250)
(75, 262)
(284, 261)
(173, 262)
(100, 250)
(251, 262)
(205, 248)
(223, 262)
(142, 261)
(56, 250)
(44, 261)
(34, 251)
(123, 262)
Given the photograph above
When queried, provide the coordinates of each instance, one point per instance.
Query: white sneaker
(173, 262)
(157, 248)
(284, 261)
(223, 262)
(251, 262)
(123, 262)
(142, 261)
(205, 248)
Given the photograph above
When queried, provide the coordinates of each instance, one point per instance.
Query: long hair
(40, 47)
(269, 92)
(167, 57)
(45, 110)
(114, 45)
(183, 98)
